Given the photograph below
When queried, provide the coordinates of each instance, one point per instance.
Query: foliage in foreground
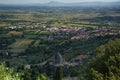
(106, 64)
(7, 73)
(41, 77)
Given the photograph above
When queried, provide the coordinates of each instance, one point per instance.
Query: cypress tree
(58, 73)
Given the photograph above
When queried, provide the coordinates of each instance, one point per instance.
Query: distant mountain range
(53, 3)
(60, 4)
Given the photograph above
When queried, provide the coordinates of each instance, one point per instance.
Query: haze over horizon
(46, 1)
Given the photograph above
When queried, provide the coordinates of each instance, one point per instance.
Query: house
(80, 58)
(27, 66)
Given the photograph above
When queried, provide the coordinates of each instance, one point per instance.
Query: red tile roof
(81, 57)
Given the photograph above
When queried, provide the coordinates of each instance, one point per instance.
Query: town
(68, 32)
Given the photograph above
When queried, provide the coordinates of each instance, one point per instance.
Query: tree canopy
(7, 73)
(106, 64)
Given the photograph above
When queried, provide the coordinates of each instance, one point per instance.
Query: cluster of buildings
(68, 32)
(81, 33)
(25, 25)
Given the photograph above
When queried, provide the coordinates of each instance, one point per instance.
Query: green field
(3, 24)
(19, 46)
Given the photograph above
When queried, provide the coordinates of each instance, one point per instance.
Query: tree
(106, 64)
(58, 73)
(7, 73)
(42, 77)
(26, 75)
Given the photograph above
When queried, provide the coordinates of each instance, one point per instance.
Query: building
(27, 66)
(59, 59)
(80, 59)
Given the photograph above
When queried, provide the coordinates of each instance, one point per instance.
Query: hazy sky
(44, 1)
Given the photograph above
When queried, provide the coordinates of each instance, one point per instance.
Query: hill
(62, 4)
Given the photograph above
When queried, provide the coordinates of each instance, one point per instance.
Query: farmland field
(19, 46)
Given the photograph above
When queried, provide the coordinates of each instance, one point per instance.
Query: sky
(45, 1)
